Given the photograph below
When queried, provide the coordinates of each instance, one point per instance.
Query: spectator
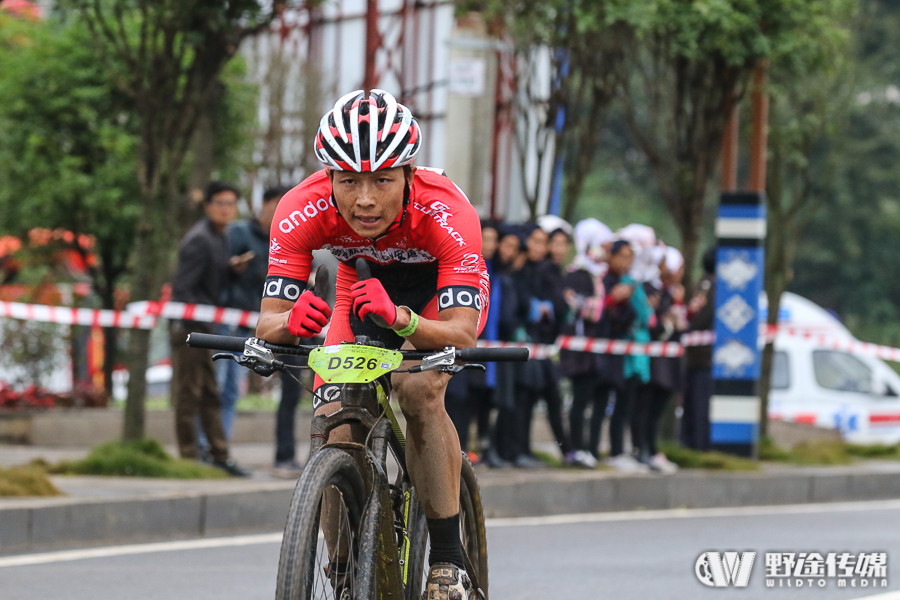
(542, 309)
(618, 318)
(508, 261)
(470, 394)
(203, 271)
(584, 293)
(248, 240)
(665, 372)
(698, 359)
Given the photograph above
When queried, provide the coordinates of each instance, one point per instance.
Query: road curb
(561, 494)
(47, 523)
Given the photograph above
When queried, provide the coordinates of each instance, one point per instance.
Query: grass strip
(686, 458)
(144, 458)
(26, 480)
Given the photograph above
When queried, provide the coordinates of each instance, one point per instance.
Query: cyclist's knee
(422, 394)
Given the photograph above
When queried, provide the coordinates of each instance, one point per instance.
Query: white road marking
(68, 555)
(273, 538)
(692, 513)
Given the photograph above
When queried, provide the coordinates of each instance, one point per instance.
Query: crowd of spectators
(623, 285)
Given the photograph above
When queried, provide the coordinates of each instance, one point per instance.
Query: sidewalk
(115, 510)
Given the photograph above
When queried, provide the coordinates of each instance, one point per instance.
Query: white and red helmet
(367, 134)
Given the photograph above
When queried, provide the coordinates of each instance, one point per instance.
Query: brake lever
(250, 362)
(256, 357)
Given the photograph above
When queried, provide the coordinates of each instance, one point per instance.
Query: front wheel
(472, 532)
(320, 548)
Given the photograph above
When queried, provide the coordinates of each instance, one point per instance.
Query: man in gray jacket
(204, 268)
(248, 239)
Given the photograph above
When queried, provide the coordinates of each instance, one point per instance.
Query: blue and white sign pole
(740, 261)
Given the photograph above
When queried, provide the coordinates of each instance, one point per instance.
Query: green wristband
(413, 323)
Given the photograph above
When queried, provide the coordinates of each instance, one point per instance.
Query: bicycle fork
(378, 537)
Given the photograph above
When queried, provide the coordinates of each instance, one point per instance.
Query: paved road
(639, 556)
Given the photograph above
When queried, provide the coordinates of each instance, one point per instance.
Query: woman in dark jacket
(665, 372)
(542, 309)
(585, 294)
(609, 316)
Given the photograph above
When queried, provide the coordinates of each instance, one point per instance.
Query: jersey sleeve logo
(283, 288)
(459, 296)
(310, 211)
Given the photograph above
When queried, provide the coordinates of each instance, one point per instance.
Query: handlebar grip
(363, 271)
(493, 354)
(208, 341)
(321, 287)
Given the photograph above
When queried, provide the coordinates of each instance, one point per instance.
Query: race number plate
(350, 363)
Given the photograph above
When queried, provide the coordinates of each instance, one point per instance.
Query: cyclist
(430, 287)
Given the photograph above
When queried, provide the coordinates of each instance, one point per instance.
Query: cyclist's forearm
(431, 334)
(272, 327)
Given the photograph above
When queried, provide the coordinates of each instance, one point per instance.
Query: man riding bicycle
(430, 288)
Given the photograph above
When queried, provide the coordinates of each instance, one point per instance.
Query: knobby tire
(301, 567)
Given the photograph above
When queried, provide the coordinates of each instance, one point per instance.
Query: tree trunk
(138, 361)
(690, 242)
(775, 285)
(151, 270)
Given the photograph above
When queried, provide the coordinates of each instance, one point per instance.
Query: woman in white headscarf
(665, 372)
(584, 292)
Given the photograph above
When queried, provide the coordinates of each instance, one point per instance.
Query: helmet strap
(406, 189)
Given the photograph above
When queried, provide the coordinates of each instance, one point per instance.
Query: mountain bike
(351, 534)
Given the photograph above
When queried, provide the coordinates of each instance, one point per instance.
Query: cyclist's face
(370, 202)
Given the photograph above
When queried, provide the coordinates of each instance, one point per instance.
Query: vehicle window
(781, 371)
(841, 371)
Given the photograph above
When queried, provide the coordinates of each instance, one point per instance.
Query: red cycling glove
(308, 316)
(369, 298)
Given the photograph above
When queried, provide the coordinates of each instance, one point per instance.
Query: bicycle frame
(359, 404)
(385, 522)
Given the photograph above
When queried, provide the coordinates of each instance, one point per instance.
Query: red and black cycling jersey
(433, 248)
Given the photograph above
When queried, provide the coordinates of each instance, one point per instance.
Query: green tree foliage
(848, 259)
(689, 66)
(589, 39)
(167, 56)
(68, 158)
(811, 92)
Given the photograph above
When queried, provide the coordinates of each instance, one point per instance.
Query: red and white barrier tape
(144, 315)
(195, 312)
(63, 315)
(603, 346)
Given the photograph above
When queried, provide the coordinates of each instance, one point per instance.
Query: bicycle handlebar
(492, 354)
(227, 343)
(207, 341)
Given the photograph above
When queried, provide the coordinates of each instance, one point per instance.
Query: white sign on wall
(467, 77)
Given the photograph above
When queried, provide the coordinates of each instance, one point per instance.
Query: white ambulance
(817, 381)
